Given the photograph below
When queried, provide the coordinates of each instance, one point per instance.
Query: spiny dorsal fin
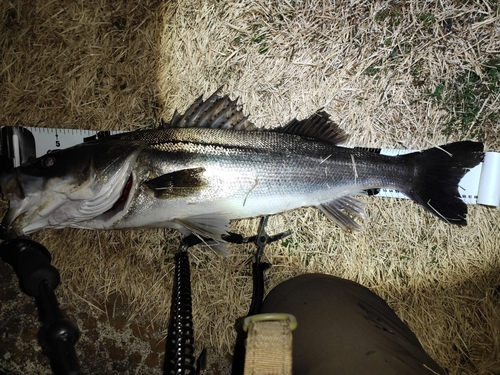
(216, 112)
(318, 126)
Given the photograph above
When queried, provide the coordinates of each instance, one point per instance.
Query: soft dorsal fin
(216, 112)
(318, 126)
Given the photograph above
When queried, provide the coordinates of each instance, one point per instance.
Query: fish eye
(48, 161)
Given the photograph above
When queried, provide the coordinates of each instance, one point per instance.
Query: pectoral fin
(335, 211)
(181, 183)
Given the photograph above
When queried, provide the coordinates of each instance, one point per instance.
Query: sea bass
(211, 165)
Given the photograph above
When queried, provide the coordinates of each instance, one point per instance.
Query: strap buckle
(270, 317)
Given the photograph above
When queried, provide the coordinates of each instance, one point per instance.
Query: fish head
(69, 187)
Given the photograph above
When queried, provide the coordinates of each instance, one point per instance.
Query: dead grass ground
(393, 74)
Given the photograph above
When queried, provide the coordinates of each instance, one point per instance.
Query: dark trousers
(344, 328)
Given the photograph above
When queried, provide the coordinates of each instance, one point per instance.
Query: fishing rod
(30, 261)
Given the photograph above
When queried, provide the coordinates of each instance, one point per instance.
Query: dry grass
(375, 66)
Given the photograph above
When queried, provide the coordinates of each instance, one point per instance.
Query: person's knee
(343, 327)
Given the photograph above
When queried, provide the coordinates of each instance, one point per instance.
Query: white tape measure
(44, 139)
(480, 185)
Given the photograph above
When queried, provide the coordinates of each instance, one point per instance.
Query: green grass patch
(391, 15)
(257, 38)
(427, 18)
(467, 100)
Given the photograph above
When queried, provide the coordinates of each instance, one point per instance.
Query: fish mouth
(26, 215)
(13, 191)
(67, 197)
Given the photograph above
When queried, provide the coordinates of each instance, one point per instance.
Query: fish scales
(288, 161)
(255, 173)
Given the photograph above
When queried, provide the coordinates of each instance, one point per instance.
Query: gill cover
(68, 186)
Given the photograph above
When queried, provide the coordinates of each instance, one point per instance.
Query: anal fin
(339, 209)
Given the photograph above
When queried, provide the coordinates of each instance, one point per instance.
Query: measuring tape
(481, 185)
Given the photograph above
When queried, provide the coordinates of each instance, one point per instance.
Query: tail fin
(439, 171)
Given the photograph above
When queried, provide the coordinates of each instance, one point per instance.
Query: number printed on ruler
(48, 139)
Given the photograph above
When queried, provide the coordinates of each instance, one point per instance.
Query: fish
(211, 165)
